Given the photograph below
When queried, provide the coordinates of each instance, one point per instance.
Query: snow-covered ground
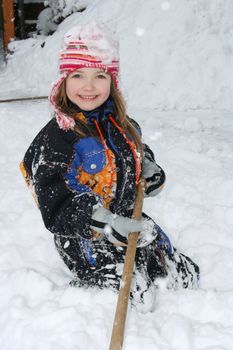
(39, 311)
(176, 59)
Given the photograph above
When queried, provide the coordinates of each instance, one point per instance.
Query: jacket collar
(99, 114)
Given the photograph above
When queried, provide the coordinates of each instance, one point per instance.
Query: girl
(84, 167)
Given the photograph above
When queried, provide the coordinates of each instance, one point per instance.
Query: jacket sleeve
(64, 211)
(154, 175)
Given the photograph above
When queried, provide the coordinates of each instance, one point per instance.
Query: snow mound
(174, 54)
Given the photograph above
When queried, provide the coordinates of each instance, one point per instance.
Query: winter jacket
(69, 175)
(63, 170)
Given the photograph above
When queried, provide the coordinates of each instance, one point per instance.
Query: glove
(117, 228)
(148, 233)
(154, 176)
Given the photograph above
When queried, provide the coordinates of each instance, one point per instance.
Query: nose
(89, 84)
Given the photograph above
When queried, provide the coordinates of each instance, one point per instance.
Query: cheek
(106, 89)
(70, 88)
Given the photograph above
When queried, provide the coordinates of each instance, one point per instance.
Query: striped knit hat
(89, 46)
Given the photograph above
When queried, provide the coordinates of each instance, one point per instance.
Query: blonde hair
(81, 127)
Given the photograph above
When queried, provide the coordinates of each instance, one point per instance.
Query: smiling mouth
(88, 98)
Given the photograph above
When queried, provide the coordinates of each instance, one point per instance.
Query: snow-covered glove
(154, 176)
(117, 228)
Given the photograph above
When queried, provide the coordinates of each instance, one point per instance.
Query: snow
(174, 54)
(38, 308)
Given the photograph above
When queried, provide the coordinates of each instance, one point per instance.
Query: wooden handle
(123, 297)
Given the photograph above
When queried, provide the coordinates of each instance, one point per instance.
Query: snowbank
(174, 54)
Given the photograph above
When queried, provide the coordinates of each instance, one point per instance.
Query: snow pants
(98, 263)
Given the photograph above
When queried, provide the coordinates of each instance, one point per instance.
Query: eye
(101, 76)
(76, 75)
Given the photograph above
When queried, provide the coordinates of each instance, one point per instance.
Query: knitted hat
(89, 46)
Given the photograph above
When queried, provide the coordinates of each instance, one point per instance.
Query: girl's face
(88, 88)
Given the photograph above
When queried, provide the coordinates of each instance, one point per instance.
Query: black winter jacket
(66, 207)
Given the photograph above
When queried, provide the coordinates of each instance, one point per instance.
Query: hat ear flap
(65, 122)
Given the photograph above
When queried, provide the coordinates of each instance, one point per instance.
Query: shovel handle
(125, 285)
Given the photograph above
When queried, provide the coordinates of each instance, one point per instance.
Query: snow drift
(174, 54)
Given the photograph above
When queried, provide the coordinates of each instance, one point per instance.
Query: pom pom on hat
(88, 46)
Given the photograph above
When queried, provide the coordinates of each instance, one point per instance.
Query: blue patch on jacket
(89, 156)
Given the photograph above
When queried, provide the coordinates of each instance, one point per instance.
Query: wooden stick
(125, 286)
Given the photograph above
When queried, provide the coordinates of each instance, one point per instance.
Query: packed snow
(38, 308)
